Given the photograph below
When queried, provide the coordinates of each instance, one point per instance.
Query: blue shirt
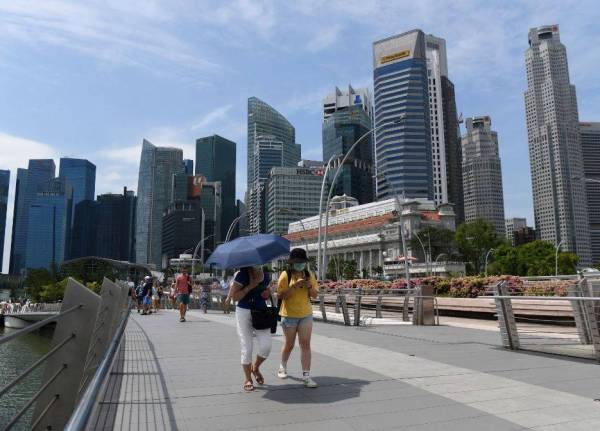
(252, 300)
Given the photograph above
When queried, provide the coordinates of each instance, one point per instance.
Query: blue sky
(91, 78)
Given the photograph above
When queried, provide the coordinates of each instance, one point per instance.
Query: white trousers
(245, 332)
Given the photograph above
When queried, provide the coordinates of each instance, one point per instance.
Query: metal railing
(16, 308)
(87, 327)
(549, 335)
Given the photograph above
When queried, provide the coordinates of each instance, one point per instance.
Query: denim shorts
(294, 322)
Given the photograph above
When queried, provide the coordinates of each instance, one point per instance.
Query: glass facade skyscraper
(157, 167)
(81, 174)
(49, 224)
(4, 183)
(29, 182)
(403, 135)
(590, 148)
(343, 125)
(263, 120)
(216, 161)
(188, 166)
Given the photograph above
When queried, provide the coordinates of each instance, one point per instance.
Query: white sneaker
(282, 373)
(310, 383)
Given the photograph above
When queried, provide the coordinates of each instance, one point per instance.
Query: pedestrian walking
(155, 297)
(205, 296)
(296, 286)
(250, 287)
(138, 296)
(147, 295)
(173, 295)
(225, 295)
(183, 285)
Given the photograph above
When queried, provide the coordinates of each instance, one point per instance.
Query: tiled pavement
(186, 376)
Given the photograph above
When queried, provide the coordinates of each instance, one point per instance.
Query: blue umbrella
(249, 251)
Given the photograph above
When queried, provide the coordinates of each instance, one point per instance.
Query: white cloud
(324, 38)
(212, 117)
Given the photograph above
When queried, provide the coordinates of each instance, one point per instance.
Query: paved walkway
(186, 376)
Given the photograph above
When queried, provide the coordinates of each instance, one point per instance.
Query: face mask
(299, 266)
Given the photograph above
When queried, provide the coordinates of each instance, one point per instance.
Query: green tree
(54, 291)
(474, 240)
(350, 269)
(334, 268)
(36, 279)
(436, 241)
(532, 259)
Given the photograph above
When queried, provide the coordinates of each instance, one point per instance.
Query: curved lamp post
(487, 255)
(425, 254)
(335, 176)
(556, 258)
(322, 271)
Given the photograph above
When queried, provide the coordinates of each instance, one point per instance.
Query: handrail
(83, 411)
(37, 325)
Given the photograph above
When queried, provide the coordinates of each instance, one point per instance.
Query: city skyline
(495, 88)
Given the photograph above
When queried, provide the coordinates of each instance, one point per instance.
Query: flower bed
(462, 287)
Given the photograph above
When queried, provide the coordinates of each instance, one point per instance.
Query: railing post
(378, 306)
(322, 306)
(337, 301)
(72, 356)
(417, 317)
(580, 312)
(506, 318)
(593, 314)
(344, 307)
(405, 306)
(357, 303)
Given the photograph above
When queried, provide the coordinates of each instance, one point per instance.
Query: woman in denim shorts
(295, 288)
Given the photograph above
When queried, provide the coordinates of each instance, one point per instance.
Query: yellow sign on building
(395, 56)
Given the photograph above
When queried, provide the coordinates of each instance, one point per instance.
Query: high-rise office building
(4, 184)
(268, 153)
(196, 210)
(116, 225)
(157, 167)
(292, 194)
(590, 147)
(482, 174)
(347, 116)
(557, 172)
(512, 225)
(188, 166)
(402, 122)
(85, 228)
(49, 224)
(29, 181)
(264, 120)
(216, 160)
(446, 151)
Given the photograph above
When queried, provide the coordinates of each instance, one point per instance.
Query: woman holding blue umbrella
(250, 287)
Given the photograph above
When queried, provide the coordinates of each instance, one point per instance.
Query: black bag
(265, 319)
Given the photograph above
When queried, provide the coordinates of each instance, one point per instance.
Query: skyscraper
(157, 167)
(188, 166)
(590, 147)
(482, 174)
(557, 172)
(49, 224)
(403, 132)
(215, 160)
(115, 216)
(446, 151)
(513, 225)
(268, 153)
(81, 174)
(4, 183)
(347, 116)
(84, 236)
(265, 120)
(29, 182)
(292, 194)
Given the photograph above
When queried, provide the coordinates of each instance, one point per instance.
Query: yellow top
(297, 305)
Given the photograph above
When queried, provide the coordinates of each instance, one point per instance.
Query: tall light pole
(556, 258)
(232, 226)
(425, 254)
(337, 172)
(322, 271)
(200, 244)
(437, 258)
(487, 255)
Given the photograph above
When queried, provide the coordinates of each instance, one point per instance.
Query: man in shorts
(183, 286)
(147, 295)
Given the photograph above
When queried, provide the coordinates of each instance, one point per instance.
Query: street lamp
(425, 254)
(337, 172)
(322, 271)
(491, 250)
(437, 258)
(556, 258)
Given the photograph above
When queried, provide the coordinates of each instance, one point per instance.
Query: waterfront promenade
(186, 376)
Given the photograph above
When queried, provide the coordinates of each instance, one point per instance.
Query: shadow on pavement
(330, 390)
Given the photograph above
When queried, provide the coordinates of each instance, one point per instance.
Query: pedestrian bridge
(186, 376)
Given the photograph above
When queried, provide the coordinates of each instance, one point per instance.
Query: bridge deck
(186, 376)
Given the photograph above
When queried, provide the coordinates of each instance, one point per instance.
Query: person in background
(225, 295)
(138, 296)
(183, 285)
(160, 293)
(173, 294)
(250, 287)
(147, 295)
(295, 287)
